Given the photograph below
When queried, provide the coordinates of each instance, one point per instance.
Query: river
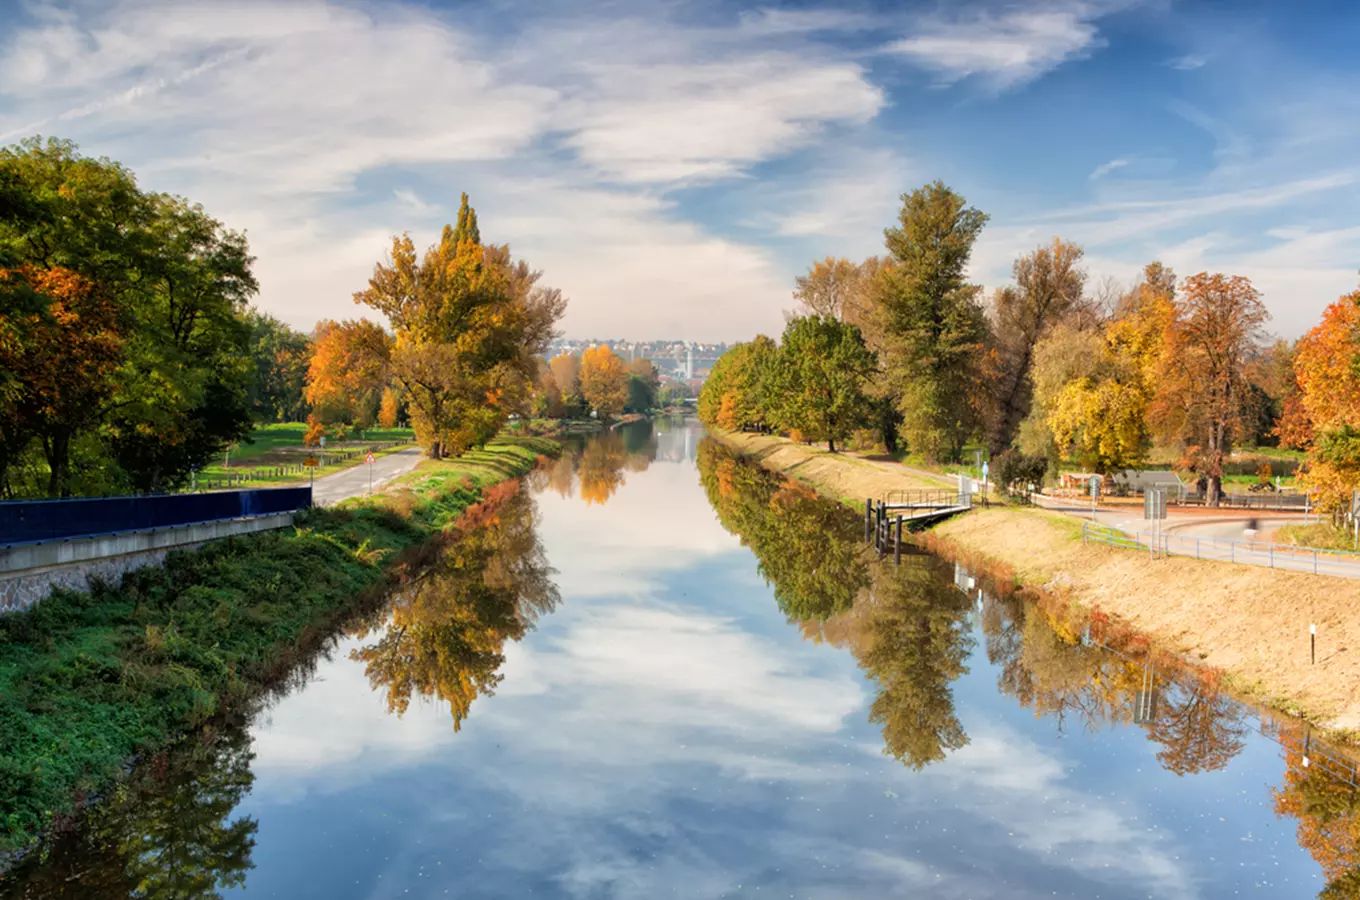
(655, 671)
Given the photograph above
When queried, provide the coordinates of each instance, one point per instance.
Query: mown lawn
(88, 680)
(275, 453)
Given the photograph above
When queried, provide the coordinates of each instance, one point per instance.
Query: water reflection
(168, 834)
(1050, 664)
(444, 637)
(810, 551)
(595, 465)
(909, 628)
(676, 727)
(1326, 804)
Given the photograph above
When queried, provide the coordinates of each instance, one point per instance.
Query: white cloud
(1104, 169)
(1004, 776)
(282, 118)
(1008, 48)
(1189, 62)
(657, 123)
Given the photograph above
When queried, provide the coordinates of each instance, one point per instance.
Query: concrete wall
(29, 572)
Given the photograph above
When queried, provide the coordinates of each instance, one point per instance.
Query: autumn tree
(1202, 390)
(934, 328)
(604, 381)
(392, 409)
(349, 371)
(1049, 286)
(469, 323)
(736, 393)
(818, 379)
(63, 356)
(566, 374)
(177, 282)
(1325, 416)
(1093, 401)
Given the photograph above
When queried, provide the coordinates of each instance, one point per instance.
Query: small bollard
(897, 544)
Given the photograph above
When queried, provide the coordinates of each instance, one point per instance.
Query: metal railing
(1257, 553)
(940, 497)
(29, 521)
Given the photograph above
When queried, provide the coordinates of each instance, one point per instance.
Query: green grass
(88, 680)
(257, 464)
(1323, 536)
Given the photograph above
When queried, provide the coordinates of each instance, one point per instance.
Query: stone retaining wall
(29, 572)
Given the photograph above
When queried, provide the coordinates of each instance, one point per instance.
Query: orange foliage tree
(469, 324)
(60, 350)
(604, 381)
(1325, 416)
(1204, 386)
(348, 371)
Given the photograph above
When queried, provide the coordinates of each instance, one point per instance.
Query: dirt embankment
(849, 477)
(1249, 622)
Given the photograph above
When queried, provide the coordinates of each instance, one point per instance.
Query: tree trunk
(831, 444)
(57, 448)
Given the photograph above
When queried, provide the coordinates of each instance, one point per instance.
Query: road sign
(986, 468)
(1095, 485)
(1154, 504)
(370, 459)
(310, 462)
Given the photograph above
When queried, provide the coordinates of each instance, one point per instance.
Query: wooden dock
(885, 520)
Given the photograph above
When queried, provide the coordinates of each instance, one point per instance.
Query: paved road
(353, 482)
(1217, 537)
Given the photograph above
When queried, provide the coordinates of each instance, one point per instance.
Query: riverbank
(1250, 623)
(91, 680)
(847, 477)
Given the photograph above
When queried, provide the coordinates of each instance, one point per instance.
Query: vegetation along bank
(1229, 617)
(90, 680)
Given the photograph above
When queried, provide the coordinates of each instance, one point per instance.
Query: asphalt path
(1223, 537)
(354, 481)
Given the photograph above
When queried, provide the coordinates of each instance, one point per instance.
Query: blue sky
(673, 166)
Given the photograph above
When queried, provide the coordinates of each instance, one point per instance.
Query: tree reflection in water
(165, 835)
(444, 636)
(1327, 808)
(597, 464)
(1048, 667)
(907, 625)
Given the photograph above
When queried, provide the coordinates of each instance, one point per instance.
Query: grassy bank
(88, 680)
(1251, 623)
(847, 477)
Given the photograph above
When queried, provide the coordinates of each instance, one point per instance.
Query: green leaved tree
(934, 327)
(818, 378)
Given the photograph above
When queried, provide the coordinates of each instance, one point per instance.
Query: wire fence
(1345, 563)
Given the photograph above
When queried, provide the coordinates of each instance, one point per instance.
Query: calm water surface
(655, 671)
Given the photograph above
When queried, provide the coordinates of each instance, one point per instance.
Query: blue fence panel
(25, 521)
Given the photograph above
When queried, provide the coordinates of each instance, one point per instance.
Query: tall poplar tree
(934, 327)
